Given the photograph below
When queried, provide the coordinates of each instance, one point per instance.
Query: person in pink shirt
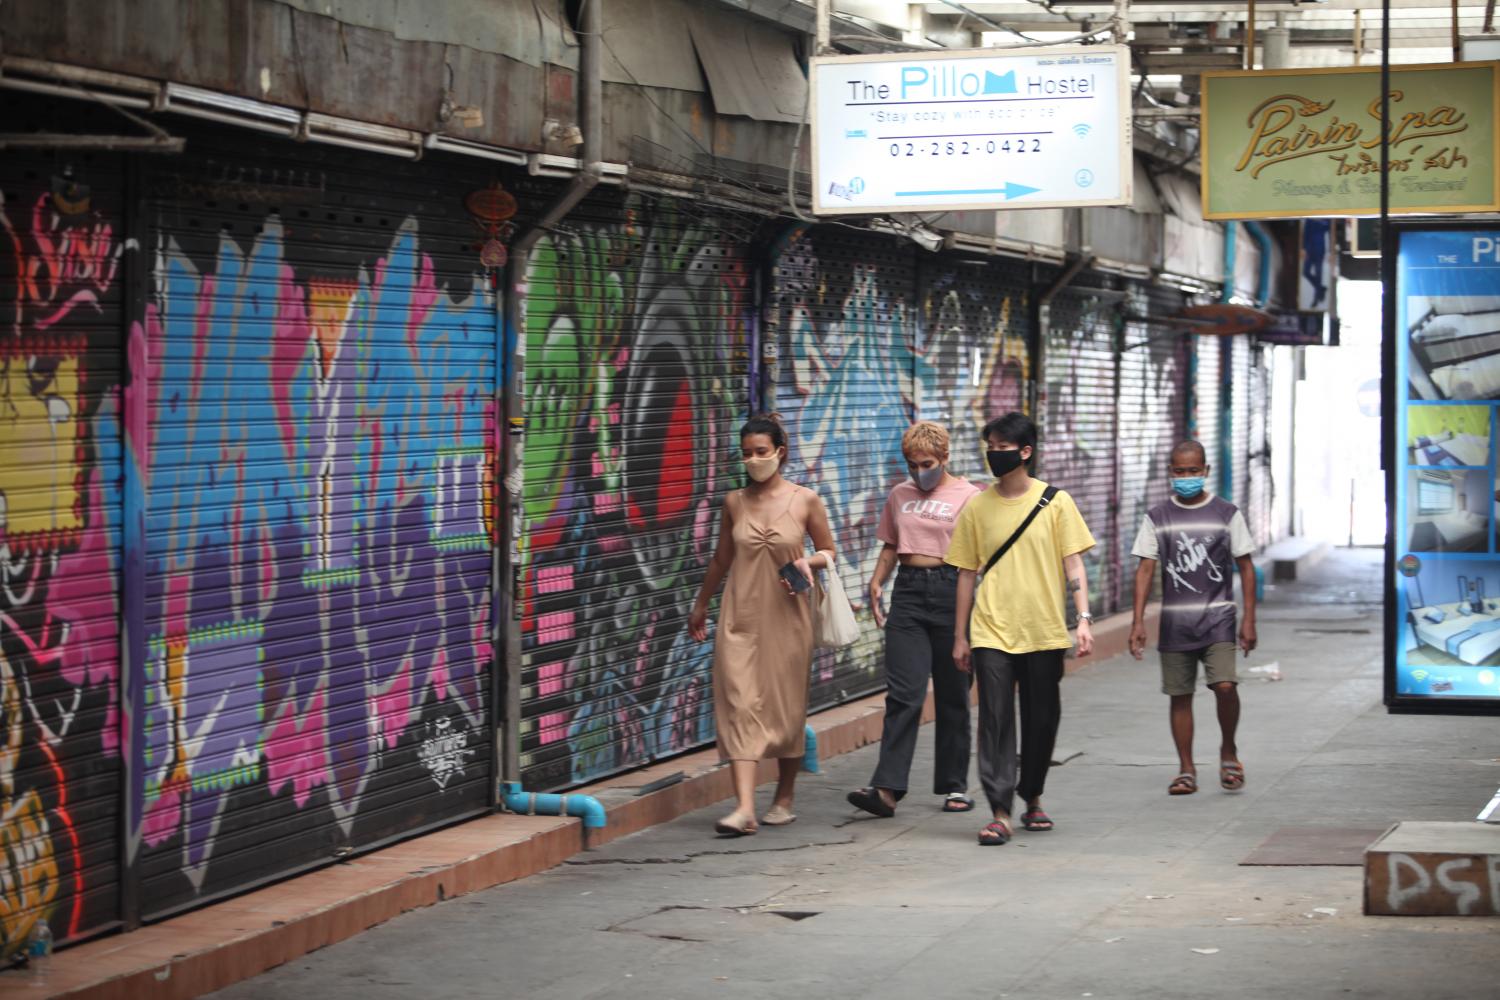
(916, 526)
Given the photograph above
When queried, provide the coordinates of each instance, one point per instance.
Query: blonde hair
(926, 437)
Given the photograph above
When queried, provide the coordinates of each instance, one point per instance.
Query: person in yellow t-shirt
(1012, 633)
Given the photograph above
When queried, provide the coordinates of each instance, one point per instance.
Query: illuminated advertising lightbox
(971, 129)
(1443, 606)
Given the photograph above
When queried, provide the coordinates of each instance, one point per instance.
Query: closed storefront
(1261, 488)
(62, 320)
(317, 678)
(637, 334)
(844, 305)
(1152, 416)
(1207, 414)
(1079, 425)
(973, 359)
(1238, 389)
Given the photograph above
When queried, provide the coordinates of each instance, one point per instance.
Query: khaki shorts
(1180, 670)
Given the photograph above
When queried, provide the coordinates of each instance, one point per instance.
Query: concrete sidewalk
(1134, 895)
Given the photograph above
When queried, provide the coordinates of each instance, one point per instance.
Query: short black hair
(1196, 447)
(1017, 428)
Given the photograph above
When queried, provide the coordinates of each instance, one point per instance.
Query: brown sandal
(1184, 784)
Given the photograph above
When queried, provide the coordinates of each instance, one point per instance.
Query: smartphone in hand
(793, 576)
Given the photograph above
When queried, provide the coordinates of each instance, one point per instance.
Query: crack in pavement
(685, 858)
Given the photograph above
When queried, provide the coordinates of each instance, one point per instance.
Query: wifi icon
(1081, 129)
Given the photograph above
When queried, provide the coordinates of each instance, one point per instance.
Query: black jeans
(919, 645)
(1037, 677)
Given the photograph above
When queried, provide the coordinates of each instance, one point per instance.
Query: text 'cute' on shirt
(921, 524)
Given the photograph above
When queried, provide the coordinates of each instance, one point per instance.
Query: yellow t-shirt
(1019, 604)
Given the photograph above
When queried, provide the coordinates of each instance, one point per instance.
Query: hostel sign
(1290, 143)
(971, 129)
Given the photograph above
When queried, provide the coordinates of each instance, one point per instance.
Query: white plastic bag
(834, 626)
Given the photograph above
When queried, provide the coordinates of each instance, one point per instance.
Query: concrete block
(1434, 870)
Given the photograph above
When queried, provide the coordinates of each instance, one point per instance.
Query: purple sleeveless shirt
(1197, 574)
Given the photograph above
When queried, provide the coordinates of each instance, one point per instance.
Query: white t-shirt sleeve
(1145, 546)
(1240, 542)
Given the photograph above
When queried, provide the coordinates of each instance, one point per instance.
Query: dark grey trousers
(1037, 679)
(918, 645)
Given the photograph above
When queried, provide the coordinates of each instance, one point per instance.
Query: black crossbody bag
(1047, 495)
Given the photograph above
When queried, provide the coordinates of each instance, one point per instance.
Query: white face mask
(761, 469)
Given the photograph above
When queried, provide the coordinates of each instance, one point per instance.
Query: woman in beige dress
(764, 642)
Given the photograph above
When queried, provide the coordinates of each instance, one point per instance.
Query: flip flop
(1231, 775)
(778, 816)
(956, 802)
(1036, 821)
(727, 827)
(994, 834)
(1183, 784)
(870, 801)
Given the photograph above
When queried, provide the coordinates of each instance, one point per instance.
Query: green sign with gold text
(1306, 142)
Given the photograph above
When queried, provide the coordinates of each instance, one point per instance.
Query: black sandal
(994, 834)
(1036, 821)
(956, 803)
(870, 801)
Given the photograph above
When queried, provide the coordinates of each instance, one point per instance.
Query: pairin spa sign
(1291, 143)
(971, 129)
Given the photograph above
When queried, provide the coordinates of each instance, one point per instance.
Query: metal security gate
(637, 332)
(1079, 426)
(844, 307)
(1152, 416)
(1262, 489)
(318, 606)
(973, 358)
(1239, 389)
(62, 326)
(1205, 422)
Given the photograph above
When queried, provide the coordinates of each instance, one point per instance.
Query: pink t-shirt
(921, 524)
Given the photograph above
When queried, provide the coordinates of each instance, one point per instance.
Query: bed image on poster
(1443, 598)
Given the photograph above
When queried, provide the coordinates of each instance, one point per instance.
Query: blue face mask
(1188, 487)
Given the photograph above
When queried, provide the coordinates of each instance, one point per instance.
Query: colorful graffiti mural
(59, 542)
(637, 330)
(318, 580)
(973, 364)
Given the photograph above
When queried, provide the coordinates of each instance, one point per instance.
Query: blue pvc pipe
(1231, 234)
(810, 755)
(585, 807)
(1263, 282)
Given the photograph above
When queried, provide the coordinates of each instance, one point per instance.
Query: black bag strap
(1047, 495)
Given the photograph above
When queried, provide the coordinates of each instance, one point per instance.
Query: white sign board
(972, 129)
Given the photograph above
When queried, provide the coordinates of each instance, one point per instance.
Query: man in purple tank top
(1199, 540)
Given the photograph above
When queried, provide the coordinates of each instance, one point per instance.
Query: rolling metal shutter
(1153, 417)
(637, 334)
(1261, 487)
(318, 674)
(1239, 390)
(973, 359)
(1080, 426)
(844, 304)
(1207, 417)
(61, 470)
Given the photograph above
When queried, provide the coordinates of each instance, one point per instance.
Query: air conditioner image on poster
(1448, 511)
(1455, 346)
(1448, 435)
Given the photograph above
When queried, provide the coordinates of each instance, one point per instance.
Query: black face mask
(1003, 462)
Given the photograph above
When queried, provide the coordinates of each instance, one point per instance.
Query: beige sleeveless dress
(764, 643)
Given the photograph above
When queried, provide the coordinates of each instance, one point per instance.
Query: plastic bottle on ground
(39, 952)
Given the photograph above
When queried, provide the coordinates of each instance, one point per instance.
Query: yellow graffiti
(39, 404)
(29, 874)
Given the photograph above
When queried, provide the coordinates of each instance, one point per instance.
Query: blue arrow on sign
(1009, 192)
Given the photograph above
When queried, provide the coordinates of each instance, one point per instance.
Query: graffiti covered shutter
(1240, 390)
(844, 305)
(61, 472)
(1207, 416)
(1153, 416)
(1261, 489)
(318, 599)
(637, 336)
(973, 363)
(1078, 429)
